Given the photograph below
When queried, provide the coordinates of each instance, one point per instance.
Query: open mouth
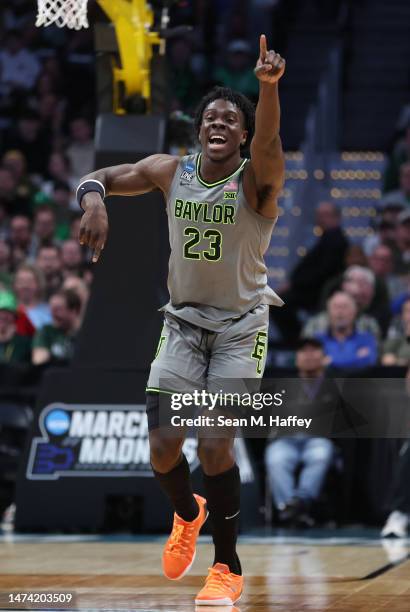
(217, 141)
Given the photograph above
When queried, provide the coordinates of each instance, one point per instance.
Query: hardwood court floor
(281, 575)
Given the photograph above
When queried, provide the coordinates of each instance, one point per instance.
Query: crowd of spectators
(347, 311)
(47, 111)
(352, 297)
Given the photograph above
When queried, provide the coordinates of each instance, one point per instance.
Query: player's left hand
(270, 65)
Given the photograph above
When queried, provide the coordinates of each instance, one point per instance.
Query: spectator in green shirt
(14, 348)
(238, 72)
(55, 343)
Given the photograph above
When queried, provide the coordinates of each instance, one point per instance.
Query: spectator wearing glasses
(297, 466)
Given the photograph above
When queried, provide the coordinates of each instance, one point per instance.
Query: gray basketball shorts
(190, 358)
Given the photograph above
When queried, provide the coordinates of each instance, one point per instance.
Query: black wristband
(86, 187)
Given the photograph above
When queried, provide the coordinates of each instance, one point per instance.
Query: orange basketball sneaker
(179, 552)
(222, 588)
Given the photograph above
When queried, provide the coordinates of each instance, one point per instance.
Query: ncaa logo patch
(186, 177)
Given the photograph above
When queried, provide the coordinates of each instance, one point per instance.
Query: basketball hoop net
(63, 13)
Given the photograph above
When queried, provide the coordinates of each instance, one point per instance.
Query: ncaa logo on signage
(57, 422)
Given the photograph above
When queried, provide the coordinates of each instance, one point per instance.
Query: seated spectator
(345, 346)
(238, 71)
(55, 342)
(51, 110)
(14, 347)
(17, 16)
(71, 257)
(81, 148)
(55, 69)
(390, 213)
(17, 203)
(319, 323)
(19, 238)
(48, 261)
(369, 291)
(59, 171)
(44, 229)
(19, 67)
(6, 278)
(401, 195)
(28, 137)
(385, 228)
(29, 289)
(396, 350)
(355, 256)
(46, 84)
(61, 197)
(365, 323)
(402, 245)
(184, 86)
(294, 494)
(399, 156)
(381, 261)
(324, 261)
(15, 161)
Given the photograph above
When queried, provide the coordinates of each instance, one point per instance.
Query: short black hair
(71, 297)
(61, 185)
(241, 102)
(313, 342)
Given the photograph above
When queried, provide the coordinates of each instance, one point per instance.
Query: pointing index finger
(263, 50)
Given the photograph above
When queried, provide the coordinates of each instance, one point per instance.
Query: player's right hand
(94, 224)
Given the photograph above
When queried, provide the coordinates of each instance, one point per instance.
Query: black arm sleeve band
(86, 187)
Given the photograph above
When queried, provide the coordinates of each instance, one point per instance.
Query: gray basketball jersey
(216, 269)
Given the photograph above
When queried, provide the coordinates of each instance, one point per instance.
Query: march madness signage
(94, 440)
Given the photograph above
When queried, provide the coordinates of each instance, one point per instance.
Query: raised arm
(153, 172)
(267, 161)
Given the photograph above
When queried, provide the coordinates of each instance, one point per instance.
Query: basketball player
(221, 213)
